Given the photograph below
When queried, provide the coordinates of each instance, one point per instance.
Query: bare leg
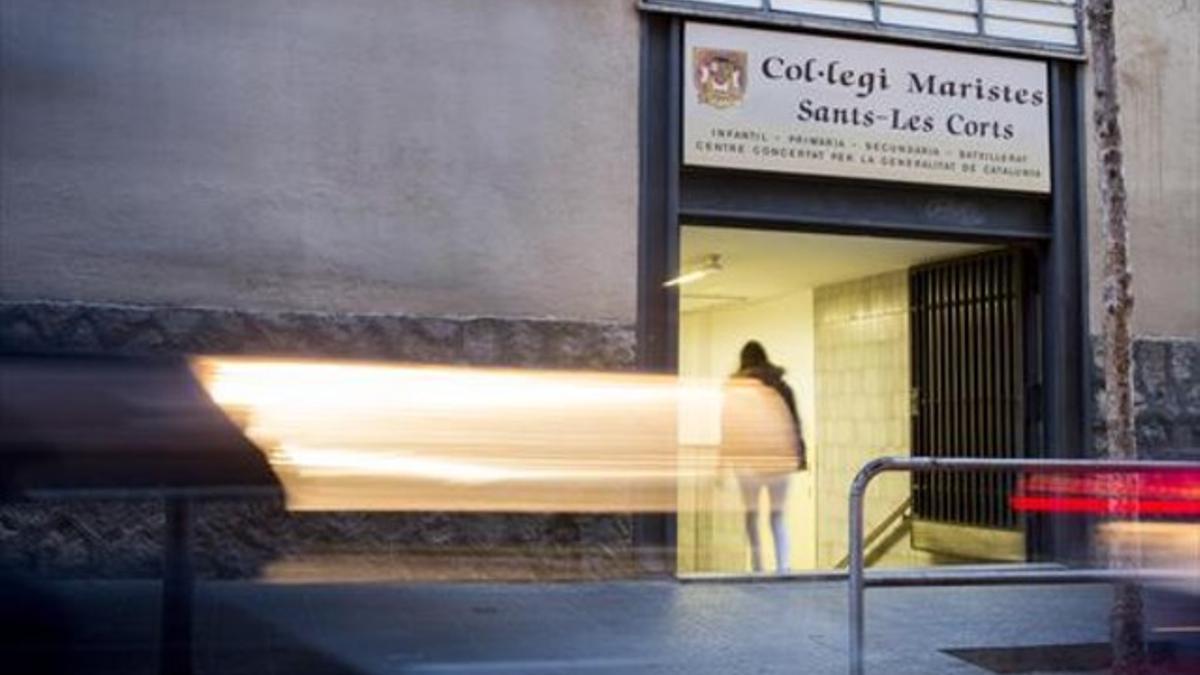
(777, 490)
(751, 485)
(779, 529)
(755, 544)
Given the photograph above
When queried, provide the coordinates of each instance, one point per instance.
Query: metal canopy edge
(856, 29)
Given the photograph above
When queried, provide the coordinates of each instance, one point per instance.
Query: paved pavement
(579, 628)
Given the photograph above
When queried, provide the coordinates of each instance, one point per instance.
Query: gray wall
(446, 157)
(423, 156)
(1158, 52)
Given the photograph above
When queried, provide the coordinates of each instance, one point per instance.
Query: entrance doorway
(844, 316)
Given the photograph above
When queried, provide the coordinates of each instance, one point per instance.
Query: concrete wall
(1158, 53)
(711, 531)
(445, 157)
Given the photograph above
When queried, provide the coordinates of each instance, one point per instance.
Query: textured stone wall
(74, 328)
(118, 539)
(1166, 379)
(236, 539)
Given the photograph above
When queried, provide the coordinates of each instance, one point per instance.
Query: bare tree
(1125, 620)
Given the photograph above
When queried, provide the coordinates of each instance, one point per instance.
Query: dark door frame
(1054, 226)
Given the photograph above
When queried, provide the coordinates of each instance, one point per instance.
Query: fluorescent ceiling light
(711, 264)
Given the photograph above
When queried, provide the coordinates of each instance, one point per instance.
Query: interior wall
(862, 405)
(711, 533)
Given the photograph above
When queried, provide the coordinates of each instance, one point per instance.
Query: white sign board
(792, 103)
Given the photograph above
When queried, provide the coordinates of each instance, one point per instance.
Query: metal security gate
(970, 368)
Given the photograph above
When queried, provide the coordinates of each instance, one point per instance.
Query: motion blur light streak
(325, 462)
(1149, 484)
(354, 385)
(1097, 505)
(1146, 520)
(1149, 493)
(365, 436)
(1168, 545)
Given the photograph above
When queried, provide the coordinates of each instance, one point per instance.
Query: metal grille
(968, 346)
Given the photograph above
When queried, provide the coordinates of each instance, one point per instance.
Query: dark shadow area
(79, 628)
(1164, 658)
(34, 629)
(238, 644)
(1040, 658)
(131, 425)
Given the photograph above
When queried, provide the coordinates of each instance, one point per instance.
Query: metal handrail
(856, 578)
(898, 513)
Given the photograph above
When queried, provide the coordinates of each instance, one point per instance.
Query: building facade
(512, 183)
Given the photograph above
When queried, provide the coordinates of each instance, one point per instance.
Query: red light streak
(1101, 505)
(1146, 493)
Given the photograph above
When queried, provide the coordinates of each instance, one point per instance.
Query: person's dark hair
(754, 356)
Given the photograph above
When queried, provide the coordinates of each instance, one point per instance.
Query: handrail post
(854, 576)
(855, 580)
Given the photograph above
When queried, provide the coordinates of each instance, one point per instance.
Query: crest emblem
(719, 76)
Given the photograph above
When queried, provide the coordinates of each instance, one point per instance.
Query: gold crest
(719, 76)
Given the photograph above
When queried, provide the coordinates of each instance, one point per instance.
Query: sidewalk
(607, 627)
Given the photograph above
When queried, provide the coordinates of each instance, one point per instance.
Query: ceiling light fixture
(710, 264)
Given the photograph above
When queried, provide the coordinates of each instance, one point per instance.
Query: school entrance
(892, 347)
(921, 285)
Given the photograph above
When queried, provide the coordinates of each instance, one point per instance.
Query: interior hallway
(834, 312)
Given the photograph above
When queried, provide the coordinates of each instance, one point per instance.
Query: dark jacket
(772, 376)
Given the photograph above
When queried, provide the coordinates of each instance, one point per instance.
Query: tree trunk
(1125, 620)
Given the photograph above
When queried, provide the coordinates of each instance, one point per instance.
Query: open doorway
(837, 313)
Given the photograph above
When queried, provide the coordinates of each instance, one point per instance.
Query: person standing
(755, 365)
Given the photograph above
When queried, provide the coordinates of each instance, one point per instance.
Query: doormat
(1064, 658)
